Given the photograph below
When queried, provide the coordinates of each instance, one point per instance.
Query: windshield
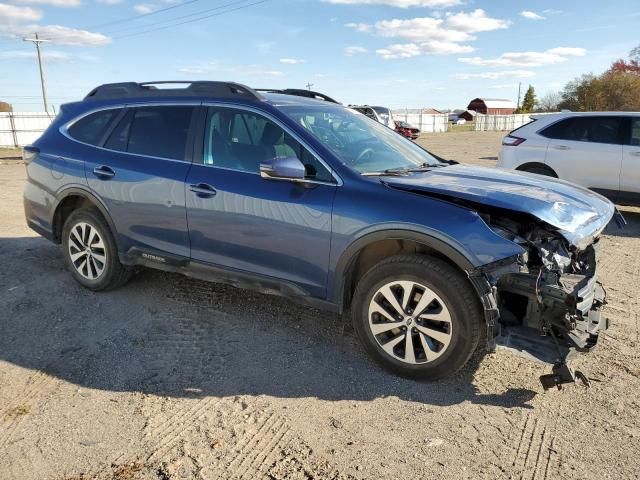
(359, 142)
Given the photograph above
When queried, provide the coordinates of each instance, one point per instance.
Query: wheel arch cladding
(370, 249)
(73, 199)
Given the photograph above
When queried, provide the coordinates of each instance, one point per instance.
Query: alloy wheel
(87, 251)
(410, 322)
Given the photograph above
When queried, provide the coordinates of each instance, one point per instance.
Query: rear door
(630, 174)
(139, 173)
(587, 150)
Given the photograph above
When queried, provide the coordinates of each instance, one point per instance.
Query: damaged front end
(548, 299)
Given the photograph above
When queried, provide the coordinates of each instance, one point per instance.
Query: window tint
(587, 129)
(241, 140)
(635, 131)
(556, 130)
(160, 131)
(91, 128)
(120, 136)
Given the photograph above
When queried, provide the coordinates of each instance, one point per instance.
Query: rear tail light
(512, 141)
(29, 154)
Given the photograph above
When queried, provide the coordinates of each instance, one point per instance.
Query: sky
(397, 53)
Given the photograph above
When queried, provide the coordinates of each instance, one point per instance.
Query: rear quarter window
(91, 128)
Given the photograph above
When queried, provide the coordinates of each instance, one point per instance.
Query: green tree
(529, 101)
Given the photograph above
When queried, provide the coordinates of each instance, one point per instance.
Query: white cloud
(110, 2)
(354, 50)
(531, 15)
(253, 71)
(504, 86)
(494, 75)
(50, 56)
(55, 3)
(56, 34)
(406, 50)
(431, 35)
(13, 14)
(433, 47)
(292, 61)
(476, 21)
(527, 59)
(143, 8)
(400, 3)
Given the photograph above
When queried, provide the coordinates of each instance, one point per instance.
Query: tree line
(617, 89)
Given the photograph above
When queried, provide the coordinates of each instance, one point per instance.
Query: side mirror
(283, 168)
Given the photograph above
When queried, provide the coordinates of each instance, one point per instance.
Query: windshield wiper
(425, 167)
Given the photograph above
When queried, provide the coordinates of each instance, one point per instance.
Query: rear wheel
(539, 169)
(417, 316)
(90, 251)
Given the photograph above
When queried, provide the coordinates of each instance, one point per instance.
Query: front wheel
(417, 316)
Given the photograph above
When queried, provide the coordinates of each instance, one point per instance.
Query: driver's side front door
(241, 221)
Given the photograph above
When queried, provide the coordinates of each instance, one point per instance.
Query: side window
(91, 128)
(557, 130)
(635, 132)
(119, 138)
(160, 131)
(240, 140)
(587, 129)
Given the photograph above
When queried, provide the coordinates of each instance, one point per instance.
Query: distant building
(469, 115)
(492, 106)
(5, 107)
(431, 111)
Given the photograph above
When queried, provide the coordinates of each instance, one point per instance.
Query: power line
(142, 15)
(191, 21)
(171, 20)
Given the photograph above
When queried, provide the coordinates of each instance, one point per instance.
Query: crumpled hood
(579, 214)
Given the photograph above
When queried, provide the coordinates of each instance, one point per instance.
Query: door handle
(561, 147)
(103, 172)
(635, 154)
(203, 190)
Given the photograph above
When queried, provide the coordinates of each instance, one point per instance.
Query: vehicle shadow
(632, 229)
(169, 335)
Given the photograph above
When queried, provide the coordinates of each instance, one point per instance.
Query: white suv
(599, 150)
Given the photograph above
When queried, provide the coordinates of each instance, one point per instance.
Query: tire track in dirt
(536, 451)
(193, 344)
(15, 413)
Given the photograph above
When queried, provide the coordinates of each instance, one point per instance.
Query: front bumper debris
(544, 315)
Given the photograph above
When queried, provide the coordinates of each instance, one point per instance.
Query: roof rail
(150, 89)
(299, 92)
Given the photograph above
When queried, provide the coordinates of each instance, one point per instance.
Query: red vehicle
(407, 130)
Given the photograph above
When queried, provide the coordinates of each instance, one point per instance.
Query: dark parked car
(407, 130)
(304, 198)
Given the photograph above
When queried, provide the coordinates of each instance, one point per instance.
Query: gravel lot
(172, 378)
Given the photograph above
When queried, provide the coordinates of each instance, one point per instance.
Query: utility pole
(309, 85)
(519, 87)
(37, 41)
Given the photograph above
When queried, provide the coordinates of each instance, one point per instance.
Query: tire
(539, 170)
(453, 298)
(102, 270)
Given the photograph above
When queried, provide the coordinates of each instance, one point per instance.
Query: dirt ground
(172, 378)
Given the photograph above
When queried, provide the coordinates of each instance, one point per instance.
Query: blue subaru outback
(310, 200)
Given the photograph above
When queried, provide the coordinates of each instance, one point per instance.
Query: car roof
(556, 115)
(201, 90)
(282, 99)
